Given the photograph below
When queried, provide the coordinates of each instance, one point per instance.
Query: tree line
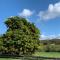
(52, 45)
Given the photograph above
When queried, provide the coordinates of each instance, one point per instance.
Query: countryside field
(41, 54)
(8, 59)
(48, 54)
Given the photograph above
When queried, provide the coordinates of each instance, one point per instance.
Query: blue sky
(44, 13)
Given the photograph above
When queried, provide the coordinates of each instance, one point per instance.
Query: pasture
(39, 55)
(48, 54)
(8, 59)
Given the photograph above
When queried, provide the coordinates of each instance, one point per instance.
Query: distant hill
(50, 41)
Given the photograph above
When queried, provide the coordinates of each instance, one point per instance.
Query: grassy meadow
(41, 54)
(48, 54)
(8, 59)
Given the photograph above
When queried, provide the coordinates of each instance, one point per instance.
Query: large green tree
(21, 37)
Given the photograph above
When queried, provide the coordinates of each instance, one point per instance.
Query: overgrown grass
(48, 54)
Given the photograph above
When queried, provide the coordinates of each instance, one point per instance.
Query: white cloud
(53, 11)
(44, 37)
(26, 13)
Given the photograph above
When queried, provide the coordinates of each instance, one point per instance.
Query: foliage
(21, 37)
(49, 48)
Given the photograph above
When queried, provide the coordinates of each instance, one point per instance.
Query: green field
(48, 54)
(41, 54)
(8, 59)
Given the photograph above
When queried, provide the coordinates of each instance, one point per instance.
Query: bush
(49, 48)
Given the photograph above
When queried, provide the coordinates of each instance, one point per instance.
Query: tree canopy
(21, 37)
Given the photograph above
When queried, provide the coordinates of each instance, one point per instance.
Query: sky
(45, 14)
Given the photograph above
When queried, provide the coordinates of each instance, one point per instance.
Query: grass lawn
(8, 59)
(48, 54)
(41, 54)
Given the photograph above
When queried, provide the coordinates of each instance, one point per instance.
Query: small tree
(22, 37)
